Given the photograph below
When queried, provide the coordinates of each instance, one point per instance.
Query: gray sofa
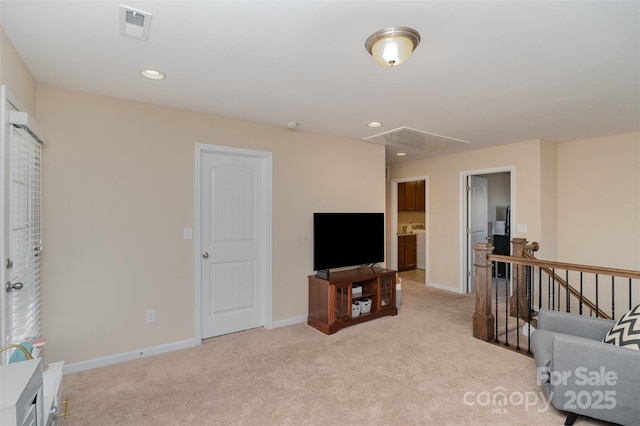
(583, 376)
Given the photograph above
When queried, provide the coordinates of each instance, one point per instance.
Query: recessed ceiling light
(400, 154)
(152, 74)
(374, 124)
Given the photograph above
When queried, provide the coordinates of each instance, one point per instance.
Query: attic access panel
(414, 139)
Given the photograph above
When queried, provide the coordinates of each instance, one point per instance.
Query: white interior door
(234, 239)
(478, 221)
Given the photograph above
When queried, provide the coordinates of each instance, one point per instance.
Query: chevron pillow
(626, 331)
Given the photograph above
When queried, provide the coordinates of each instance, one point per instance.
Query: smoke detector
(134, 23)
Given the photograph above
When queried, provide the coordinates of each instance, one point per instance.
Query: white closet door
(234, 240)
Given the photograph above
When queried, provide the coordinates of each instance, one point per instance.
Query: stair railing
(534, 284)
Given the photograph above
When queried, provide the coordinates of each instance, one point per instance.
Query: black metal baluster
(613, 297)
(506, 312)
(518, 312)
(539, 288)
(530, 303)
(580, 293)
(597, 308)
(496, 280)
(567, 301)
(553, 281)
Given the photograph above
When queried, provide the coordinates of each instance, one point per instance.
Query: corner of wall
(16, 76)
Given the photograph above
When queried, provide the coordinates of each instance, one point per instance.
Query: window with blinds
(25, 239)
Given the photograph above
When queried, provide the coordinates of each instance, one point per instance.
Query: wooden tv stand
(330, 300)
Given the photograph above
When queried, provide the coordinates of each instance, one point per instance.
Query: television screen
(347, 239)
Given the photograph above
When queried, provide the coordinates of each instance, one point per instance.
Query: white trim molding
(129, 356)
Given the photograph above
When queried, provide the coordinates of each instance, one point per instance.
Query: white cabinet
(29, 397)
(21, 394)
(55, 404)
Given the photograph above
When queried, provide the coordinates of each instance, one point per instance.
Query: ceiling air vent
(414, 139)
(134, 23)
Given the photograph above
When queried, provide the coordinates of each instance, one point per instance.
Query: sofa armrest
(595, 379)
(575, 325)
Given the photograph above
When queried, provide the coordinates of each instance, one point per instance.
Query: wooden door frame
(464, 249)
(267, 178)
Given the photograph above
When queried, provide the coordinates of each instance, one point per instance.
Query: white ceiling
(486, 72)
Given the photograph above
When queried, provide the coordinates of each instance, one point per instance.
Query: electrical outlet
(151, 316)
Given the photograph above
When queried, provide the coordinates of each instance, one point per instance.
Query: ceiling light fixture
(392, 46)
(374, 124)
(152, 74)
(401, 154)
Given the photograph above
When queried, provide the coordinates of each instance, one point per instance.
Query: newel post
(483, 319)
(519, 302)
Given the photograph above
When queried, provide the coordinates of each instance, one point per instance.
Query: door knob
(14, 286)
(205, 255)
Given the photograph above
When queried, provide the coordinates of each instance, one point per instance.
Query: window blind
(25, 235)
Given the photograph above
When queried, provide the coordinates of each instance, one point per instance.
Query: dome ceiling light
(392, 46)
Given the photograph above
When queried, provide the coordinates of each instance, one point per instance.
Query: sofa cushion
(626, 331)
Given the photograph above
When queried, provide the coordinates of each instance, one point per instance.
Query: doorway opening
(409, 223)
(487, 214)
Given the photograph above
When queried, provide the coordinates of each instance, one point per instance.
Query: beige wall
(599, 201)
(548, 200)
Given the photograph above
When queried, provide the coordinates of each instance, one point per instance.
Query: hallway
(413, 275)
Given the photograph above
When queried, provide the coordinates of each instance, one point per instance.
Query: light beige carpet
(421, 367)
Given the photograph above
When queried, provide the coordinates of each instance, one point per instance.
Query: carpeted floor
(421, 367)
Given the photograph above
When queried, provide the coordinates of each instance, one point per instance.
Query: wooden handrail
(549, 266)
(626, 273)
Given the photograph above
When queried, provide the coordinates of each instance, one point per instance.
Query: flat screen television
(347, 239)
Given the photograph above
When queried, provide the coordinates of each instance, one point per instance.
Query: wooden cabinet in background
(420, 204)
(407, 252)
(411, 196)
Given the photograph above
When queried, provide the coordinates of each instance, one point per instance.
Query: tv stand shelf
(330, 299)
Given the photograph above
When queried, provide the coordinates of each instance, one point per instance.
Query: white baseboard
(155, 350)
(129, 356)
(290, 321)
(443, 287)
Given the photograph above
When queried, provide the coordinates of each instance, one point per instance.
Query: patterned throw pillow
(626, 331)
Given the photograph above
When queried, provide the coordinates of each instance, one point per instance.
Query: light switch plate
(522, 227)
